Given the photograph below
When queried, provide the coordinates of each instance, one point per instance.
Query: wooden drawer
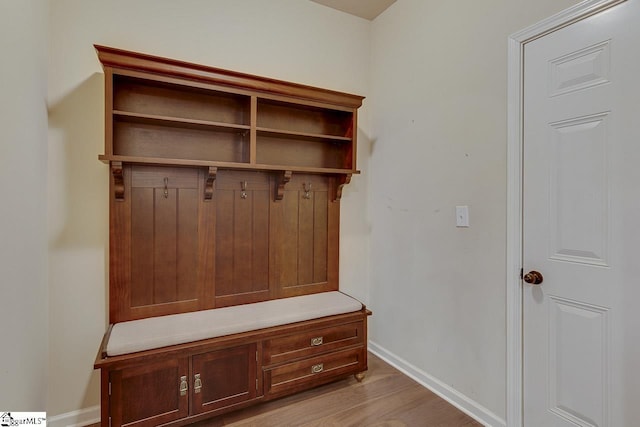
(303, 374)
(308, 343)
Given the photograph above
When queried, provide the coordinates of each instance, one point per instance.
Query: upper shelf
(223, 165)
(117, 58)
(168, 112)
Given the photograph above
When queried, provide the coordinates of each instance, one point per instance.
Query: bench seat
(157, 332)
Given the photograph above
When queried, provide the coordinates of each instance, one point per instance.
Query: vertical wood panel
(206, 247)
(242, 242)
(305, 238)
(224, 241)
(306, 229)
(165, 246)
(333, 244)
(252, 133)
(288, 248)
(320, 236)
(142, 265)
(187, 244)
(260, 250)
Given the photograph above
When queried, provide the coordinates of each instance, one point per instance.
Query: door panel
(224, 378)
(162, 380)
(242, 237)
(581, 127)
(157, 239)
(578, 360)
(304, 249)
(579, 225)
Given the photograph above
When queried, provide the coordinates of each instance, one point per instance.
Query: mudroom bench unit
(186, 367)
(224, 232)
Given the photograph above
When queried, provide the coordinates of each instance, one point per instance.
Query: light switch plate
(462, 216)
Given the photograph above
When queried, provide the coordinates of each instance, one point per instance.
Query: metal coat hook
(166, 188)
(243, 186)
(307, 190)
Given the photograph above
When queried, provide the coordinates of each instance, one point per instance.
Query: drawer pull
(316, 341)
(316, 369)
(197, 384)
(183, 386)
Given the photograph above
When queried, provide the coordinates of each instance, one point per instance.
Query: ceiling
(367, 9)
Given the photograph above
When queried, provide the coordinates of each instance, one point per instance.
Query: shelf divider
(253, 134)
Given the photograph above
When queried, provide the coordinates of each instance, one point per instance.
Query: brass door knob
(533, 277)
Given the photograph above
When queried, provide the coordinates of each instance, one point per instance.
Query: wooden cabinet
(312, 357)
(189, 382)
(224, 378)
(162, 380)
(180, 386)
(224, 190)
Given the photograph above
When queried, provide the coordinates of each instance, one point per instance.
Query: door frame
(515, 145)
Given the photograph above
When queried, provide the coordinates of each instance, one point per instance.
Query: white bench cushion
(156, 332)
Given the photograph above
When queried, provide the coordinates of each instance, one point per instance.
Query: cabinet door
(224, 378)
(150, 394)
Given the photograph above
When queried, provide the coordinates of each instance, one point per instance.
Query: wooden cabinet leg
(359, 376)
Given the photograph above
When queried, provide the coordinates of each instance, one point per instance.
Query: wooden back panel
(174, 251)
(242, 237)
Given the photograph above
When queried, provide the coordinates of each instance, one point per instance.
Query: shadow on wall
(80, 202)
(78, 238)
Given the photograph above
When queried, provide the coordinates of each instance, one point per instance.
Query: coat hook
(307, 190)
(243, 186)
(166, 188)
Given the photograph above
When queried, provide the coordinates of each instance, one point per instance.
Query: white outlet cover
(462, 216)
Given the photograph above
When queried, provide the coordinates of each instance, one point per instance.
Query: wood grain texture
(242, 237)
(227, 377)
(386, 397)
(161, 379)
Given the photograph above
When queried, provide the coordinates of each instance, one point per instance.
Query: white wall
(439, 91)
(432, 136)
(23, 180)
(293, 40)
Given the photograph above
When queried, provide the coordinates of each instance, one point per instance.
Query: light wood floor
(386, 398)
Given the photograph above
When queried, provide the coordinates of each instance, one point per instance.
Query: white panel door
(581, 325)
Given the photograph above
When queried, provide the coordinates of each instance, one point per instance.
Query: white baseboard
(82, 417)
(457, 399)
